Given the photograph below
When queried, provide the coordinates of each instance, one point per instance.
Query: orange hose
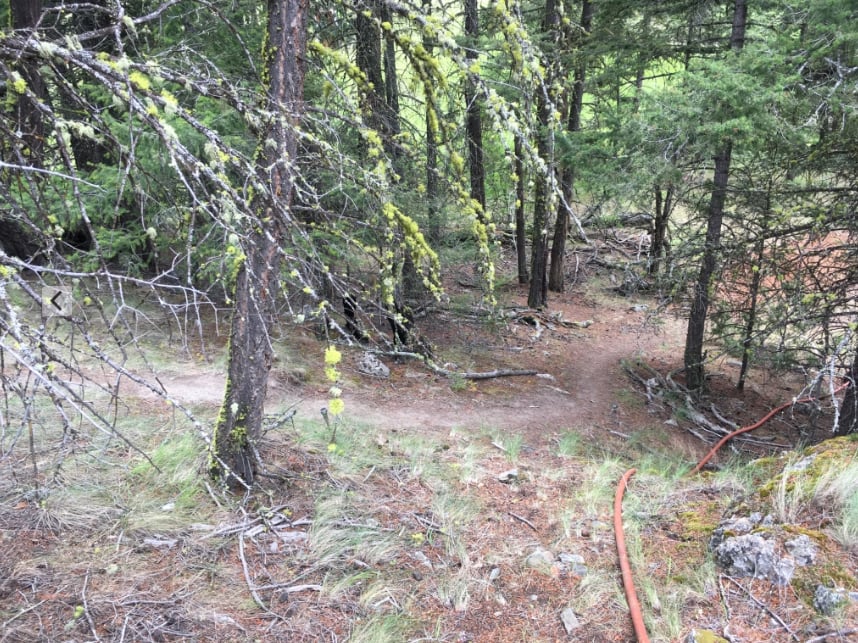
(756, 425)
(628, 582)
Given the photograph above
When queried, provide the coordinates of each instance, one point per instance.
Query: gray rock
(573, 562)
(751, 555)
(508, 477)
(369, 364)
(570, 621)
(746, 555)
(782, 571)
(801, 465)
(160, 542)
(802, 549)
(826, 600)
(540, 559)
(729, 526)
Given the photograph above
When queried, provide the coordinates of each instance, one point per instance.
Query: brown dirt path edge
(581, 385)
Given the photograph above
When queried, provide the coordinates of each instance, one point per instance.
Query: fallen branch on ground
(524, 520)
(764, 607)
(451, 374)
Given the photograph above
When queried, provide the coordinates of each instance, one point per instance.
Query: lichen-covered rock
(705, 636)
(746, 555)
(802, 549)
(754, 556)
(369, 364)
(826, 599)
(734, 527)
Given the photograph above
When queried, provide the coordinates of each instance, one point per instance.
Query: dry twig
(763, 606)
(524, 520)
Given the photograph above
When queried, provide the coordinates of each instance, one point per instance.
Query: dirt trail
(580, 374)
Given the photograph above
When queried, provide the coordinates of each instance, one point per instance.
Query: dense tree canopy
(292, 170)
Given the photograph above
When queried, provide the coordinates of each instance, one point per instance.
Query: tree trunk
(391, 89)
(556, 276)
(695, 375)
(25, 14)
(473, 118)
(432, 215)
(849, 410)
(250, 353)
(538, 294)
(368, 56)
(694, 370)
(520, 221)
(658, 244)
(751, 320)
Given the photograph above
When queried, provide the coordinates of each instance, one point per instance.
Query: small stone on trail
(541, 559)
(158, 543)
(570, 621)
(508, 477)
(573, 563)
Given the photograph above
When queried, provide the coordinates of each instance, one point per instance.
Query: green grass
(343, 528)
(383, 628)
(172, 494)
(840, 488)
(511, 444)
(569, 444)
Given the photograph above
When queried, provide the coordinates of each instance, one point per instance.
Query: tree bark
(431, 115)
(538, 293)
(556, 275)
(391, 89)
(695, 375)
(25, 15)
(520, 221)
(658, 244)
(537, 296)
(473, 117)
(250, 353)
(374, 58)
(751, 320)
(694, 369)
(849, 410)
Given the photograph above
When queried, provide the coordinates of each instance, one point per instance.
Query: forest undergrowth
(432, 509)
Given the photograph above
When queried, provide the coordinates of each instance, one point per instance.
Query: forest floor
(440, 509)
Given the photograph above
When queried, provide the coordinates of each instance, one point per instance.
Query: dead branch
(834, 635)
(524, 520)
(86, 607)
(452, 374)
(496, 373)
(250, 585)
(763, 606)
